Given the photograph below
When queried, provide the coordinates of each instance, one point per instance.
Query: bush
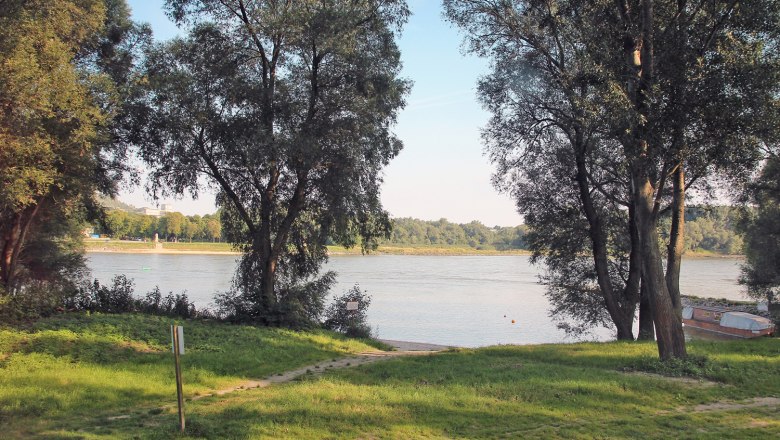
(299, 304)
(35, 300)
(692, 366)
(118, 298)
(353, 323)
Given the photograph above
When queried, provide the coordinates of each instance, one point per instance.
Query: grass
(587, 390)
(78, 366)
(199, 247)
(548, 391)
(116, 245)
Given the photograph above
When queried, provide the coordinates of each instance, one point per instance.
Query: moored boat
(722, 320)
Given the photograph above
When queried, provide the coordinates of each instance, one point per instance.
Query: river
(452, 300)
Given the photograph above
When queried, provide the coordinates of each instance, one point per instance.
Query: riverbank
(110, 376)
(201, 248)
(140, 247)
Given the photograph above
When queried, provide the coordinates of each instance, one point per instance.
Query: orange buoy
(513, 321)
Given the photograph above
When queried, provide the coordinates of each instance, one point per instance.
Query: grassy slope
(544, 391)
(78, 367)
(548, 391)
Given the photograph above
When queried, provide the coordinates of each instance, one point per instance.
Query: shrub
(118, 298)
(353, 323)
(299, 303)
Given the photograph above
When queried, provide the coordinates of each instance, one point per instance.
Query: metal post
(175, 333)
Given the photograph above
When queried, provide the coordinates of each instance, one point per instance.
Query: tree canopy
(761, 271)
(286, 108)
(604, 115)
(60, 62)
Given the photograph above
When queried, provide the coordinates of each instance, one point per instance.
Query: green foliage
(288, 111)
(441, 233)
(761, 272)
(65, 69)
(119, 298)
(299, 305)
(710, 229)
(123, 224)
(353, 323)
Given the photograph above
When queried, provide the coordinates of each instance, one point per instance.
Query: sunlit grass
(54, 383)
(502, 392)
(77, 365)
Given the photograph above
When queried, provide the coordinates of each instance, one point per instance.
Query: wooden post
(176, 348)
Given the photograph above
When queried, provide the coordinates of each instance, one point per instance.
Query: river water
(452, 300)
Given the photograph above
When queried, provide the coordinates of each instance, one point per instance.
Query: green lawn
(77, 367)
(587, 390)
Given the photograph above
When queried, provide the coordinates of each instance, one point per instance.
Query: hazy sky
(441, 171)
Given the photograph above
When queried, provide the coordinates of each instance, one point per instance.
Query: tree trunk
(639, 56)
(622, 318)
(13, 244)
(10, 239)
(646, 327)
(668, 325)
(676, 239)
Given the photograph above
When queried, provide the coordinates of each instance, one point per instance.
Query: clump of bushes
(353, 323)
(118, 298)
(693, 366)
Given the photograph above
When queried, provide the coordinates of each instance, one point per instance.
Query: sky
(441, 171)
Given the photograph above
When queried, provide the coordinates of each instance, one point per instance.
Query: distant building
(165, 208)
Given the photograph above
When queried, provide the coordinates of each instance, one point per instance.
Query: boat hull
(717, 328)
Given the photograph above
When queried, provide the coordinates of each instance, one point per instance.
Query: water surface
(452, 300)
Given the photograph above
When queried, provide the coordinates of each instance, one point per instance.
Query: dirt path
(367, 357)
(756, 402)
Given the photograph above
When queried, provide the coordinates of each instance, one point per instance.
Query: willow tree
(286, 109)
(683, 90)
(547, 139)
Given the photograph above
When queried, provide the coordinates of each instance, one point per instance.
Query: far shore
(158, 251)
(182, 248)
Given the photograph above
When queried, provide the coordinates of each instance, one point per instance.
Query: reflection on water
(464, 301)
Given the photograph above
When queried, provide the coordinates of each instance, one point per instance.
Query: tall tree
(677, 87)
(286, 108)
(58, 96)
(546, 139)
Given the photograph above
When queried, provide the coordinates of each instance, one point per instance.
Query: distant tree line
(173, 226)
(710, 229)
(414, 232)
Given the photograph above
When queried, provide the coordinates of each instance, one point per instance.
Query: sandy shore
(415, 346)
(160, 251)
